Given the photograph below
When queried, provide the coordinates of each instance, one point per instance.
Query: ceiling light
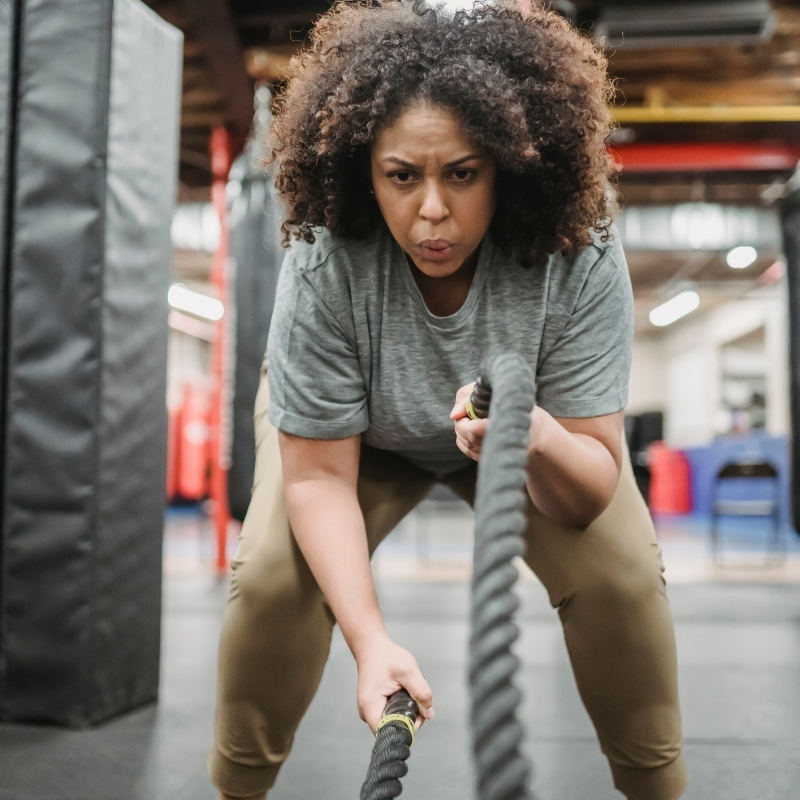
(679, 306)
(741, 257)
(201, 305)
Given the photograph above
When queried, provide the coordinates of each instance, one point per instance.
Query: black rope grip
(391, 749)
(480, 399)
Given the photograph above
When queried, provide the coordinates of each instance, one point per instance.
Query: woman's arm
(320, 478)
(573, 464)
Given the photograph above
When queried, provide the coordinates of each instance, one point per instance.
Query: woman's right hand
(383, 669)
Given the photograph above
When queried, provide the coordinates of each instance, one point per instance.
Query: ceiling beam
(701, 157)
(653, 114)
(213, 28)
(772, 90)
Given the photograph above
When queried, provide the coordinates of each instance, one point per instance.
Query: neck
(444, 296)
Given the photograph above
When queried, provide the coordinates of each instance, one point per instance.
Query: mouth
(436, 249)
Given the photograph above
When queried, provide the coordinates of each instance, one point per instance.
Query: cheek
(398, 213)
(477, 209)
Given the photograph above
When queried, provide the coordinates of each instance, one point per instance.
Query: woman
(445, 180)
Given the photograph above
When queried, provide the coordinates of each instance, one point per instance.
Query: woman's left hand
(469, 432)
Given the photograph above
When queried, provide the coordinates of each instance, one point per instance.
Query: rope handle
(480, 399)
(402, 708)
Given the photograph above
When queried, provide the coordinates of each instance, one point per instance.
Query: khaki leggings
(606, 582)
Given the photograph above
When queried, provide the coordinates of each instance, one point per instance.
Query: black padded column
(9, 44)
(254, 220)
(790, 218)
(85, 418)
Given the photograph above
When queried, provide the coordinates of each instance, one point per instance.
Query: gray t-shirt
(353, 348)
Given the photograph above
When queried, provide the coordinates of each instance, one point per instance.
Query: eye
(402, 176)
(463, 175)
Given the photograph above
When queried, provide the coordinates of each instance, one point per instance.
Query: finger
(462, 446)
(472, 434)
(471, 452)
(419, 689)
(462, 431)
(471, 430)
(462, 395)
(470, 444)
(477, 427)
(373, 713)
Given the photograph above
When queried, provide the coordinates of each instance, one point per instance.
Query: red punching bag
(670, 491)
(193, 461)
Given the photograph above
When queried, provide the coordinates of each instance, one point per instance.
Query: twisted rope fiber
(388, 763)
(502, 771)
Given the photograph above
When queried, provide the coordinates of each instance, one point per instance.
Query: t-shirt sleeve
(585, 373)
(316, 385)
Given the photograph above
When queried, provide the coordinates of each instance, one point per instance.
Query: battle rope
(502, 771)
(392, 748)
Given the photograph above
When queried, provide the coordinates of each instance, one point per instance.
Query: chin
(435, 269)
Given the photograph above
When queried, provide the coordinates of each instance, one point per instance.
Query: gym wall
(93, 167)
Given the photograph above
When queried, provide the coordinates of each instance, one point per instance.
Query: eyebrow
(410, 165)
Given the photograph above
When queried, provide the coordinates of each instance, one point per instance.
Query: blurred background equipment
(708, 110)
(728, 502)
(91, 109)
(641, 431)
(791, 247)
(254, 218)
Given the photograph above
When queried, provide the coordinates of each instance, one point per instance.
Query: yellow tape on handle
(398, 718)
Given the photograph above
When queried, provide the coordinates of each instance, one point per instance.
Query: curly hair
(529, 88)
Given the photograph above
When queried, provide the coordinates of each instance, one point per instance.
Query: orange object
(192, 443)
(221, 147)
(173, 434)
(670, 484)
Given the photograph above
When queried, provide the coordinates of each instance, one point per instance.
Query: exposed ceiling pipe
(706, 157)
(647, 114)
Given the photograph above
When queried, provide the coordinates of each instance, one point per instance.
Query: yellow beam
(642, 114)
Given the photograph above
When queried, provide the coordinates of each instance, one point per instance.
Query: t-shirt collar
(485, 255)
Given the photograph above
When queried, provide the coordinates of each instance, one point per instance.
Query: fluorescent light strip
(671, 311)
(741, 257)
(201, 305)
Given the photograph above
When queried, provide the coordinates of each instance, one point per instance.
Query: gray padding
(254, 221)
(790, 219)
(85, 446)
(8, 40)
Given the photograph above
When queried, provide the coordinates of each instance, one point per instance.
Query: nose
(434, 208)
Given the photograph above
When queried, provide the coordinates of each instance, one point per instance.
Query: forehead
(422, 132)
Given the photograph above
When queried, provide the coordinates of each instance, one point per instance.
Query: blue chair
(766, 508)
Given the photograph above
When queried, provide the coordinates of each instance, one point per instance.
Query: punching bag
(790, 221)
(91, 162)
(254, 218)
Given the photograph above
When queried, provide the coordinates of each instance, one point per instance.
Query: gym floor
(738, 634)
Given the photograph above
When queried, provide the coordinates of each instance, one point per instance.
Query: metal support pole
(219, 423)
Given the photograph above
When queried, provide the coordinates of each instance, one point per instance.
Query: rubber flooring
(739, 651)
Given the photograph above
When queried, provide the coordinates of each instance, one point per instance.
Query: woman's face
(435, 187)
